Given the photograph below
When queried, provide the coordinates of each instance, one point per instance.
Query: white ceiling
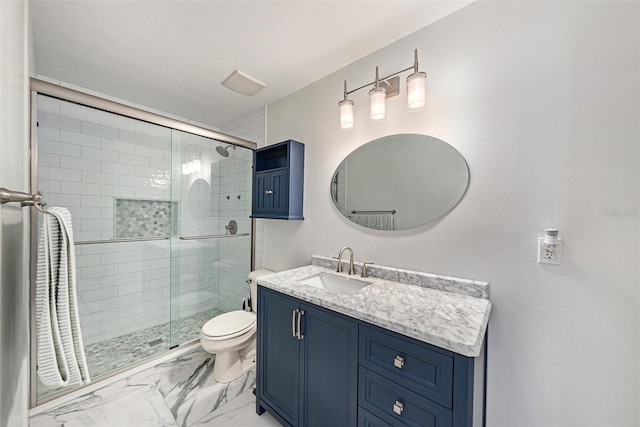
(173, 55)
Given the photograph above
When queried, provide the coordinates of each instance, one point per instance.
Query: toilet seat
(229, 325)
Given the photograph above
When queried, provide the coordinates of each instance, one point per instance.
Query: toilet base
(231, 365)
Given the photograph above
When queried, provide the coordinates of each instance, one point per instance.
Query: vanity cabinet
(307, 363)
(319, 367)
(278, 181)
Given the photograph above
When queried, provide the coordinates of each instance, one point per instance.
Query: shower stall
(161, 221)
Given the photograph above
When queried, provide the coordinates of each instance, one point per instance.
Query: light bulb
(416, 90)
(377, 98)
(346, 113)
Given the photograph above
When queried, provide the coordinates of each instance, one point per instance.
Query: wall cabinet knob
(398, 362)
(398, 407)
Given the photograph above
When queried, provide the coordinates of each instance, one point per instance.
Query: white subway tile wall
(87, 158)
(214, 190)
(252, 128)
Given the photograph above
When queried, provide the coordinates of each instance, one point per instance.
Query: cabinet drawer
(367, 419)
(397, 405)
(416, 367)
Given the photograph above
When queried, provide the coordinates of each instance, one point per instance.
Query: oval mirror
(399, 181)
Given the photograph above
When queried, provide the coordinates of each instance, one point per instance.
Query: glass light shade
(346, 113)
(377, 98)
(416, 90)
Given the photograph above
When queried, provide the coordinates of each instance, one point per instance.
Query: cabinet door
(278, 355)
(280, 192)
(330, 369)
(261, 197)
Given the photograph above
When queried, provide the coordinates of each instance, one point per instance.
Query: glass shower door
(113, 174)
(213, 250)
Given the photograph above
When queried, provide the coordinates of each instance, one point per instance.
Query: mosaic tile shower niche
(142, 218)
(149, 206)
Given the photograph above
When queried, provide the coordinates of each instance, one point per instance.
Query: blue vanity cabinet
(321, 368)
(307, 370)
(278, 181)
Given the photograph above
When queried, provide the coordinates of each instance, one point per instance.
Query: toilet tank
(253, 285)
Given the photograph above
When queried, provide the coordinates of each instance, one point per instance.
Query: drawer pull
(398, 362)
(398, 407)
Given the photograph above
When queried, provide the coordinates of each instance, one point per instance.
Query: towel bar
(392, 212)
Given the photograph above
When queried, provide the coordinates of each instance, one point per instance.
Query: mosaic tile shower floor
(107, 356)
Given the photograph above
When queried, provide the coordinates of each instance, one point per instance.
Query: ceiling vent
(243, 83)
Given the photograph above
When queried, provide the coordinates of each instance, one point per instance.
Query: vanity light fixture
(386, 88)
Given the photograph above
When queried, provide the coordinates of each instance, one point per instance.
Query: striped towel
(60, 350)
(381, 221)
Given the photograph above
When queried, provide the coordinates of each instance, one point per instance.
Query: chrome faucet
(339, 270)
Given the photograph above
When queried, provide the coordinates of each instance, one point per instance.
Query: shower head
(223, 151)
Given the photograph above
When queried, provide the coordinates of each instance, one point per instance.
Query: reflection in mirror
(399, 181)
(199, 199)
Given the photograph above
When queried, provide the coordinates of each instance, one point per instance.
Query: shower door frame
(60, 92)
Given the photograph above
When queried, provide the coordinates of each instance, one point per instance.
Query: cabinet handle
(300, 314)
(293, 322)
(398, 362)
(398, 407)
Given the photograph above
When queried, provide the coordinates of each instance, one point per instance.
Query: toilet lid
(229, 324)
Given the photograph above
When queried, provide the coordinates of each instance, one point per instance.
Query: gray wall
(14, 285)
(541, 98)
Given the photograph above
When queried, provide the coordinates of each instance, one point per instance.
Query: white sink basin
(338, 284)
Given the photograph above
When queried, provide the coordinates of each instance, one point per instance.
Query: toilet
(232, 337)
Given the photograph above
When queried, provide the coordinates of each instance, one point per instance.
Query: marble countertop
(443, 317)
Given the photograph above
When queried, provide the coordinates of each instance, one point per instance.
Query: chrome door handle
(300, 314)
(398, 407)
(398, 362)
(293, 323)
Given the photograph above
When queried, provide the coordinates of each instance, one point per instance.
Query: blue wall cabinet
(307, 363)
(278, 181)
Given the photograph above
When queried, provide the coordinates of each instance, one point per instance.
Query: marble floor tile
(131, 406)
(178, 392)
(239, 412)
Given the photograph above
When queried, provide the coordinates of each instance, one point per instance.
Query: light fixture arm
(376, 82)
